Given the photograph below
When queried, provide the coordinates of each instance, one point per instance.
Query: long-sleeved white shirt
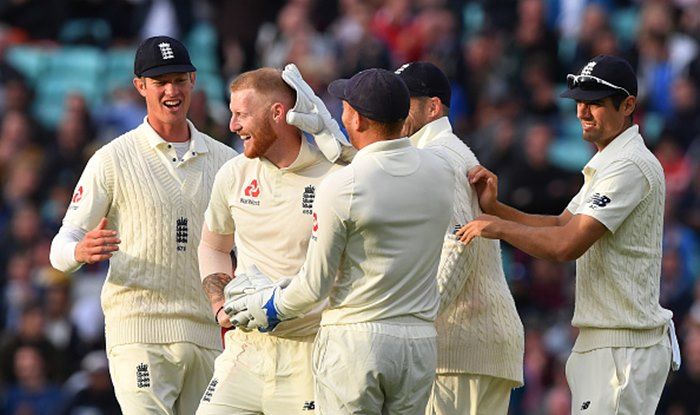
(378, 229)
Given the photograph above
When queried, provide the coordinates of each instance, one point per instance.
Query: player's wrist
(216, 315)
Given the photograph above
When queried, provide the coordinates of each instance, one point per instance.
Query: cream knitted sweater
(479, 330)
(156, 203)
(618, 278)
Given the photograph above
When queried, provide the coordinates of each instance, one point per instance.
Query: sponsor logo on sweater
(314, 226)
(585, 405)
(307, 199)
(181, 234)
(598, 201)
(77, 197)
(309, 406)
(252, 191)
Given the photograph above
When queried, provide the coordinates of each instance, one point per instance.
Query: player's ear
(278, 112)
(140, 85)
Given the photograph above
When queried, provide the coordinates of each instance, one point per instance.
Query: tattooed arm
(215, 269)
(214, 288)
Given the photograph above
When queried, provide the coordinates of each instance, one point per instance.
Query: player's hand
(485, 226)
(97, 245)
(486, 185)
(311, 115)
(255, 311)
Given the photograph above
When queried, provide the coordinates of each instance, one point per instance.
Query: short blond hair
(266, 81)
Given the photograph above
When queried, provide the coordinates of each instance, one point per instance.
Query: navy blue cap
(424, 79)
(160, 55)
(377, 94)
(602, 77)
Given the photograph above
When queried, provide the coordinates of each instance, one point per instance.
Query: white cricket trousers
(469, 394)
(618, 380)
(374, 368)
(160, 378)
(261, 374)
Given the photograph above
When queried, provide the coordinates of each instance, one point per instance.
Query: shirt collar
(155, 140)
(431, 131)
(384, 145)
(307, 156)
(612, 150)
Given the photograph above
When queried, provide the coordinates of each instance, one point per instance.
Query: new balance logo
(166, 51)
(585, 405)
(143, 378)
(598, 200)
(210, 390)
(309, 406)
(588, 68)
(181, 234)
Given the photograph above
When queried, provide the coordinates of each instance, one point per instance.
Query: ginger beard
(251, 119)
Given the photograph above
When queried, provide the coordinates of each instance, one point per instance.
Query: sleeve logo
(314, 226)
(78, 195)
(597, 200)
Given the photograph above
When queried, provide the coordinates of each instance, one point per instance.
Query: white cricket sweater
(479, 330)
(153, 292)
(618, 278)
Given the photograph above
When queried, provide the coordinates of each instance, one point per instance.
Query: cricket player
(613, 229)
(378, 227)
(480, 336)
(140, 204)
(262, 204)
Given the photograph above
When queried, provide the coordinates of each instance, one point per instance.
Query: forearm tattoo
(214, 285)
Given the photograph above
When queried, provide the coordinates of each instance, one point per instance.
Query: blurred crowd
(507, 61)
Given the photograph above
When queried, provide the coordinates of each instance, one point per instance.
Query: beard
(260, 141)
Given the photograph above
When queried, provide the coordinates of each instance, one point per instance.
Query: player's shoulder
(217, 147)
(339, 178)
(455, 150)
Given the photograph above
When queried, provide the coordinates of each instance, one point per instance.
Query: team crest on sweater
(143, 377)
(181, 234)
(307, 199)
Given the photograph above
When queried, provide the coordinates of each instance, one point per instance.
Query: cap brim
(337, 88)
(587, 94)
(166, 69)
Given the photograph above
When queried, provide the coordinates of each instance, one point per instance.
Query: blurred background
(65, 90)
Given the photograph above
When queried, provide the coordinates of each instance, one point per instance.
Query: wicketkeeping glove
(311, 115)
(235, 293)
(257, 310)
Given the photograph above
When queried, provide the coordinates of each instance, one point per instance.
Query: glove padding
(246, 283)
(311, 115)
(256, 311)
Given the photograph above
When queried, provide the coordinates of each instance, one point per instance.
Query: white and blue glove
(257, 310)
(311, 115)
(239, 293)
